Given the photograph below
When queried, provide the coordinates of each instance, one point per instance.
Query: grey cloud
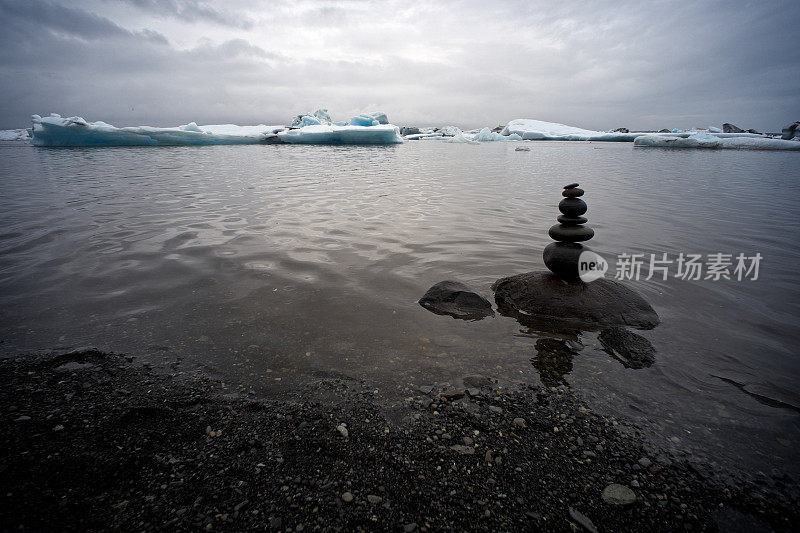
(598, 65)
(190, 11)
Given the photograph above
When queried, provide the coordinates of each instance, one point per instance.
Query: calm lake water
(272, 264)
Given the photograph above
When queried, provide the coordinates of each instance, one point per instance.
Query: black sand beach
(97, 442)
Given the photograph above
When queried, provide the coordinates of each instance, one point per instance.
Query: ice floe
(741, 141)
(538, 130)
(21, 134)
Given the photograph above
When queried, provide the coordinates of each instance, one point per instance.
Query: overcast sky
(597, 65)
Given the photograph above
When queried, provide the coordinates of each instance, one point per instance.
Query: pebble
(408, 528)
(347, 497)
(425, 389)
(495, 409)
(22, 418)
(571, 185)
(617, 494)
(582, 520)
(371, 498)
(520, 422)
(645, 462)
(572, 193)
(343, 430)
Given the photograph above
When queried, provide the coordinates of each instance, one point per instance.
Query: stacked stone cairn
(562, 256)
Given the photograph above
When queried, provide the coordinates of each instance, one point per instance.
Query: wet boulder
(632, 350)
(536, 297)
(457, 300)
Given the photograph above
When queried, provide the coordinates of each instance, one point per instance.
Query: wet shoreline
(97, 441)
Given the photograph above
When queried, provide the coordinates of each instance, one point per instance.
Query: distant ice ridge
(76, 131)
(705, 140)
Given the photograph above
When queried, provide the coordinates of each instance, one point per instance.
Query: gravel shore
(95, 442)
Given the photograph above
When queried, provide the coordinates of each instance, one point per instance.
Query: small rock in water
(572, 193)
(617, 494)
(343, 430)
(455, 299)
(522, 149)
(571, 185)
(632, 350)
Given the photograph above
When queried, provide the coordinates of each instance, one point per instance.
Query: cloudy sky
(470, 63)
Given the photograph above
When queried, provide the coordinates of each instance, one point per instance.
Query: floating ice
(352, 134)
(712, 129)
(15, 135)
(538, 130)
(460, 138)
(706, 140)
(75, 131)
(488, 135)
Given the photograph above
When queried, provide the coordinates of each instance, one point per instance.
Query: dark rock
(664, 131)
(730, 128)
(571, 185)
(572, 193)
(536, 298)
(477, 381)
(791, 131)
(617, 494)
(579, 517)
(633, 351)
(621, 130)
(409, 130)
(750, 130)
(572, 207)
(571, 221)
(457, 300)
(561, 258)
(498, 129)
(564, 233)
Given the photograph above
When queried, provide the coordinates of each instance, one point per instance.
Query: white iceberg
(487, 135)
(76, 131)
(460, 138)
(538, 130)
(21, 134)
(378, 134)
(705, 140)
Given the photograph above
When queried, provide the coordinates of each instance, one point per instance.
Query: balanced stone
(572, 193)
(561, 258)
(564, 233)
(571, 221)
(571, 185)
(572, 207)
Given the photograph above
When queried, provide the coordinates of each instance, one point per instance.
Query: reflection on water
(270, 263)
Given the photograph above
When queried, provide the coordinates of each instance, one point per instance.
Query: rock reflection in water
(553, 360)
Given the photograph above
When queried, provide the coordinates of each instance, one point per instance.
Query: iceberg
(538, 130)
(351, 134)
(487, 135)
(76, 131)
(739, 141)
(460, 138)
(21, 134)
